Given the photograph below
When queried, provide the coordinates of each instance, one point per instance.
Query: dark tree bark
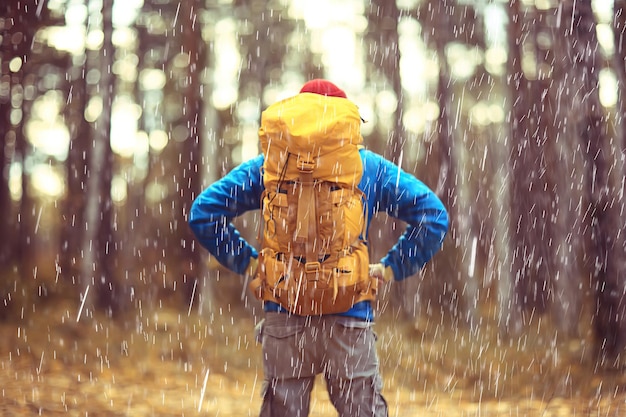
(556, 277)
(620, 65)
(447, 182)
(178, 51)
(153, 50)
(459, 287)
(619, 61)
(24, 18)
(7, 152)
(263, 49)
(619, 32)
(7, 140)
(606, 250)
(510, 290)
(27, 212)
(99, 245)
(190, 148)
(385, 53)
(109, 288)
(73, 231)
(539, 195)
(19, 21)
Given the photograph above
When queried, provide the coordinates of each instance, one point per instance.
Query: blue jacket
(388, 189)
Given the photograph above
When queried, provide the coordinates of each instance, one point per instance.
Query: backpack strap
(306, 225)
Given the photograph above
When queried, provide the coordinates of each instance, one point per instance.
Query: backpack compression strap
(306, 225)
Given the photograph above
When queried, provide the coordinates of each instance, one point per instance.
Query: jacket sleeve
(214, 209)
(404, 197)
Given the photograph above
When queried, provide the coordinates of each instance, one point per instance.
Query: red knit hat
(322, 87)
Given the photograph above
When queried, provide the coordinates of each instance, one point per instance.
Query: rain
(116, 114)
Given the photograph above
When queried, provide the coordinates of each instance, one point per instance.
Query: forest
(115, 115)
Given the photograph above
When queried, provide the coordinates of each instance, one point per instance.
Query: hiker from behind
(318, 188)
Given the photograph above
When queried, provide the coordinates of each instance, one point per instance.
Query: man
(339, 346)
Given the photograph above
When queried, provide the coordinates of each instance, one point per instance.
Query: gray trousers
(342, 349)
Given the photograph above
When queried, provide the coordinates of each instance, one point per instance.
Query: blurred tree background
(115, 115)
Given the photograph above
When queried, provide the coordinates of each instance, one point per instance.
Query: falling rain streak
(116, 114)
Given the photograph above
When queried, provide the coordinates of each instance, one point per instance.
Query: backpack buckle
(305, 166)
(311, 267)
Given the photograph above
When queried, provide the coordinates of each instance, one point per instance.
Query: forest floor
(171, 363)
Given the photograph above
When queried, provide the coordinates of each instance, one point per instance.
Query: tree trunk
(21, 21)
(29, 215)
(556, 239)
(191, 150)
(7, 148)
(509, 296)
(7, 152)
(75, 203)
(619, 62)
(619, 33)
(383, 17)
(262, 50)
(448, 174)
(98, 268)
(604, 187)
(620, 67)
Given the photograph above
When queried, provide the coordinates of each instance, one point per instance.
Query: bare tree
(73, 227)
(22, 21)
(190, 150)
(7, 150)
(385, 54)
(7, 140)
(619, 32)
(604, 188)
(19, 22)
(554, 131)
(449, 22)
(384, 57)
(449, 185)
(510, 281)
(98, 246)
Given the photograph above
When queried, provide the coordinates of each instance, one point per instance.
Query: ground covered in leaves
(169, 362)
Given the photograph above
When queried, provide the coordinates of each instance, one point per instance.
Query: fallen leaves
(156, 365)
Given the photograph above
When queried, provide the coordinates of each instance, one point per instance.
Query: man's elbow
(193, 218)
(445, 221)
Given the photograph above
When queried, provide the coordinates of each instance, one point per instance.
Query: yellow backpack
(313, 257)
